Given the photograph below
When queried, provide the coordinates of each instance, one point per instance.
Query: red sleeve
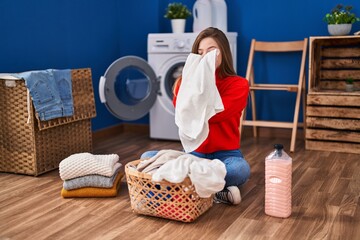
(176, 93)
(234, 97)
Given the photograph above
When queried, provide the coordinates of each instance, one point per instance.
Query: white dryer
(132, 87)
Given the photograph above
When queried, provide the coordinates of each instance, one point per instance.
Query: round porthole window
(129, 88)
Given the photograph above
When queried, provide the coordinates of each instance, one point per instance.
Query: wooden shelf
(332, 114)
(334, 92)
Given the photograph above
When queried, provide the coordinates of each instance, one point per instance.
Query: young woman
(223, 141)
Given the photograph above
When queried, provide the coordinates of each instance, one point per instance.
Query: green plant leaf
(177, 10)
(341, 15)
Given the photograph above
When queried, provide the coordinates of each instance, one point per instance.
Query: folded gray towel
(92, 180)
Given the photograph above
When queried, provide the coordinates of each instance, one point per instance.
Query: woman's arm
(234, 98)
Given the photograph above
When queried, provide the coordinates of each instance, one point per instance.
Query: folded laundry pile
(89, 175)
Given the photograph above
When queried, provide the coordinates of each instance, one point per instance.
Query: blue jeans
(51, 92)
(237, 168)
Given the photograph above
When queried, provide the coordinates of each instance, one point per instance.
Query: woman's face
(208, 44)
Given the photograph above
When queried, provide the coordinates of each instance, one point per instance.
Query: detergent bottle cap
(278, 153)
(278, 149)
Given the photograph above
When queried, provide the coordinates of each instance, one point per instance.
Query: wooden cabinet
(332, 114)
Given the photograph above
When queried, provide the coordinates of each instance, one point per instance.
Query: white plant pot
(339, 29)
(178, 25)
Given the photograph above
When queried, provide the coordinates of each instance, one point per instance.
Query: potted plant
(349, 84)
(340, 20)
(178, 13)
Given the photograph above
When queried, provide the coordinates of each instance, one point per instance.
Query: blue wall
(43, 34)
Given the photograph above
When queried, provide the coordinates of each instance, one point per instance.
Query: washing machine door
(129, 88)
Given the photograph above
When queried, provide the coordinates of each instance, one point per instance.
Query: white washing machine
(132, 87)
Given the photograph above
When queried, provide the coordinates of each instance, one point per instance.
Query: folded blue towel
(51, 92)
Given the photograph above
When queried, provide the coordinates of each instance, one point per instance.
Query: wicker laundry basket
(38, 146)
(164, 199)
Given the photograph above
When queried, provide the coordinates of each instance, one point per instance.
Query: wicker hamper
(38, 146)
(164, 199)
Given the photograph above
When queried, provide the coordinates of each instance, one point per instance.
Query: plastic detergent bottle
(219, 14)
(202, 13)
(278, 173)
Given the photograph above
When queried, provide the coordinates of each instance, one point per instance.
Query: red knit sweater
(224, 126)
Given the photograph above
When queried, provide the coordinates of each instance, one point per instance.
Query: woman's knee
(148, 154)
(238, 171)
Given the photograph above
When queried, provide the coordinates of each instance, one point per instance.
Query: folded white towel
(198, 100)
(82, 164)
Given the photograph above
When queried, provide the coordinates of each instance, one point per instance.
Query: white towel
(198, 100)
(175, 170)
(153, 163)
(208, 176)
(82, 164)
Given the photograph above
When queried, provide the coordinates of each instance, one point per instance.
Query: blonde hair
(226, 67)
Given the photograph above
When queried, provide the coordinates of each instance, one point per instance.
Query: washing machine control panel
(183, 45)
(170, 43)
(179, 43)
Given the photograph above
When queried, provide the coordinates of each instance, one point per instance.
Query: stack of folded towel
(88, 175)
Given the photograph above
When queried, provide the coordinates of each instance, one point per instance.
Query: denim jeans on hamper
(51, 92)
(237, 168)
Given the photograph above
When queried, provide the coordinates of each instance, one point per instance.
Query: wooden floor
(326, 205)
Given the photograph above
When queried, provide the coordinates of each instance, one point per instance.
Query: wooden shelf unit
(332, 114)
